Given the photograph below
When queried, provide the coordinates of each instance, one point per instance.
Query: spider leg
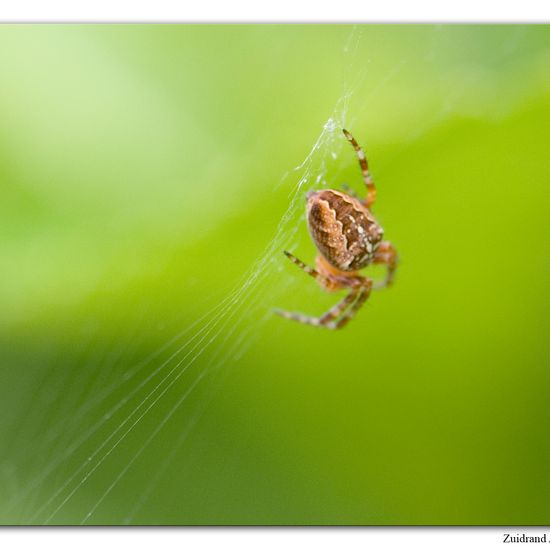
(335, 311)
(386, 254)
(356, 298)
(371, 189)
(309, 270)
(364, 293)
(326, 319)
(299, 318)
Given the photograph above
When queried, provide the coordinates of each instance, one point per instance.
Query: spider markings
(348, 239)
(346, 234)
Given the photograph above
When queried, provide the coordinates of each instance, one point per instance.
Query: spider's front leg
(364, 165)
(321, 279)
(386, 254)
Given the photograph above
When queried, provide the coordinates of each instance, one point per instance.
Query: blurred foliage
(142, 173)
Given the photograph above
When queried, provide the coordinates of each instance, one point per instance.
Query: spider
(348, 239)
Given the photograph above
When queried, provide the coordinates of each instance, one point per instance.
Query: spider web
(207, 348)
(224, 330)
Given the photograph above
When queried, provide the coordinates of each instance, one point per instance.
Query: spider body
(343, 229)
(348, 239)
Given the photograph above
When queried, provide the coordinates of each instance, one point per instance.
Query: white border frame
(281, 11)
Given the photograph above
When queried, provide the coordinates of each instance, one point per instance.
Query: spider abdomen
(344, 231)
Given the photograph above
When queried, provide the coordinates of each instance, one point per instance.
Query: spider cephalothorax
(348, 239)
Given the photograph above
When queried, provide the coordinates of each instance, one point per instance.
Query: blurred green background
(147, 190)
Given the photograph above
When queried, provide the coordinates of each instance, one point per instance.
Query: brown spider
(348, 239)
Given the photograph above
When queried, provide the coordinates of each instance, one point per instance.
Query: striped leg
(309, 270)
(364, 293)
(386, 254)
(356, 298)
(341, 306)
(371, 190)
(325, 320)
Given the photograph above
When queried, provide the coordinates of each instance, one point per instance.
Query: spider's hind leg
(362, 296)
(337, 310)
(299, 318)
(336, 317)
